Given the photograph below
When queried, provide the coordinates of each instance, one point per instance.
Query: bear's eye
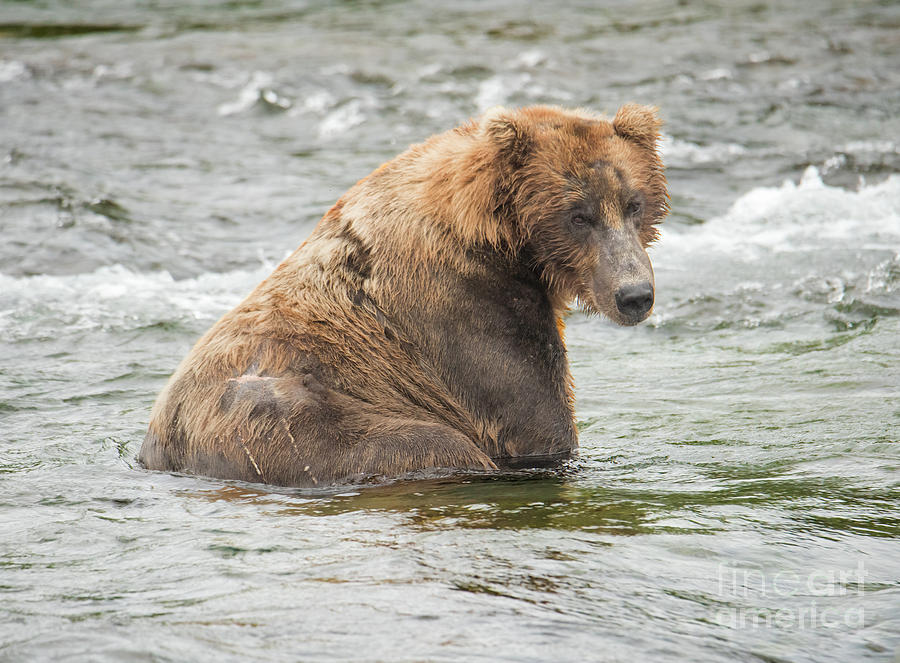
(633, 208)
(580, 220)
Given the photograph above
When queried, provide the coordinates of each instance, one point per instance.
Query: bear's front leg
(393, 446)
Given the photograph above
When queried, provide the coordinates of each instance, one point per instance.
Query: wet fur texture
(420, 325)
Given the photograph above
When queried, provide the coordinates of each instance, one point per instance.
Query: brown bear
(419, 326)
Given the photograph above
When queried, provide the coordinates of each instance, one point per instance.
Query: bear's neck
(491, 331)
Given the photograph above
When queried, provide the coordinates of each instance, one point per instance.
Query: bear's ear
(510, 137)
(638, 123)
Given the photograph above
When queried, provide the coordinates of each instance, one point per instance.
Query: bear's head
(580, 197)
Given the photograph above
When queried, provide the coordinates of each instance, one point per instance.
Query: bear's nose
(635, 299)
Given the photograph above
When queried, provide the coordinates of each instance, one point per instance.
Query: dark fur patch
(227, 398)
(256, 389)
(361, 299)
(602, 166)
(581, 130)
(358, 261)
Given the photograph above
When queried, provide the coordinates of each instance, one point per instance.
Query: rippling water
(736, 493)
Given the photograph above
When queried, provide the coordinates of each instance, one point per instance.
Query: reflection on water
(556, 502)
(505, 502)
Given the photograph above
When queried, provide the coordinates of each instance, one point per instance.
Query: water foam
(12, 70)
(682, 153)
(258, 90)
(797, 217)
(342, 119)
(800, 253)
(116, 298)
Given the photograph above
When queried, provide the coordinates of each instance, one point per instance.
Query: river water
(736, 493)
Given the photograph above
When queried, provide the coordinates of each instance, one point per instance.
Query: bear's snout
(635, 300)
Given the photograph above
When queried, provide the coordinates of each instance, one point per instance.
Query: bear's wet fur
(420, 325)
